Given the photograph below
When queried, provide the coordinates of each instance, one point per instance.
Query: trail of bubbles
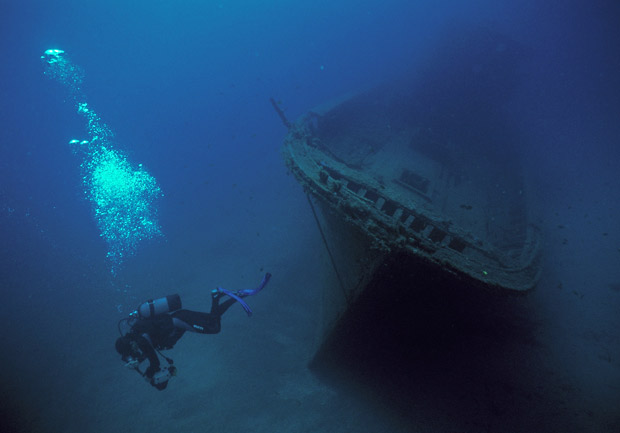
(123, 197)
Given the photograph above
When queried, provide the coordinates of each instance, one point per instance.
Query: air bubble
(123, 198)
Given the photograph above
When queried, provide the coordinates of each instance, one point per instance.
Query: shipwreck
(424, 167)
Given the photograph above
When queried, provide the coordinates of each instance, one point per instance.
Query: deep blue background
(185, 86)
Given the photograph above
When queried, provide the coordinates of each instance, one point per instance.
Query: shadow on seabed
(437, 353)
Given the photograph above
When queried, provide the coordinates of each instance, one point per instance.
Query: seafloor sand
(549, 361)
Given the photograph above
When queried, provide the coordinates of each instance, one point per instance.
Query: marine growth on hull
(428, 165)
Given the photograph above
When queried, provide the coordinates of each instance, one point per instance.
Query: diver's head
(128, 348)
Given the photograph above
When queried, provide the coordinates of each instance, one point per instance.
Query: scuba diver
(158, 324)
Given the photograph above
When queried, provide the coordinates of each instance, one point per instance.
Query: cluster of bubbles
(59, 68)
(123, 196)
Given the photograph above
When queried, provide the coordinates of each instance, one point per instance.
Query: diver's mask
(131, 362)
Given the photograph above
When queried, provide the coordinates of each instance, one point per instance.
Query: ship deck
(410, 189)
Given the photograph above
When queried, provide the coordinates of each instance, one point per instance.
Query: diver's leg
(215, 301)
(225, 306)
(178, 323)
(236, 296)
(217, 308)
(194, 321)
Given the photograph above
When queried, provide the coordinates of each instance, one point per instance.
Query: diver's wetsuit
(163, 331)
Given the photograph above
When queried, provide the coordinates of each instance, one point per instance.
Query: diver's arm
(147, 348)
(155, 380)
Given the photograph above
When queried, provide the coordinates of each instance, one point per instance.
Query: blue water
(185, 87)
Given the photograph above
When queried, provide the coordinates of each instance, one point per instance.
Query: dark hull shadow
(434, 352)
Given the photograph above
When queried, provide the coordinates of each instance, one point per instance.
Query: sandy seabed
(423, 362)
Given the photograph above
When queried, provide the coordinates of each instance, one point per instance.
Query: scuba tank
(151, 308)
(155, 307)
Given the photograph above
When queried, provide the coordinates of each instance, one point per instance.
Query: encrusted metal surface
(385, 173)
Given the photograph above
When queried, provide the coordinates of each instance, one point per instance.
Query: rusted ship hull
(397, 221)
(377, 168)
(425, 171)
